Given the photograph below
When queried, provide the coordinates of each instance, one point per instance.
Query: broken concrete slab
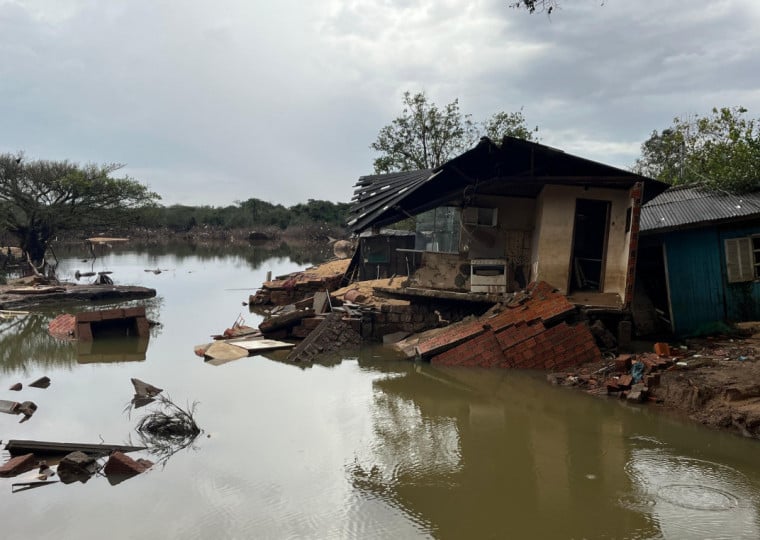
(395, 337)
(333, 334)
(77, 467)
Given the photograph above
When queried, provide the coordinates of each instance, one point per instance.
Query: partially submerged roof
(516, 168)
(694, 206)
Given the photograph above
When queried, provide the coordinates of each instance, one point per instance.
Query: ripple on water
(692, 497)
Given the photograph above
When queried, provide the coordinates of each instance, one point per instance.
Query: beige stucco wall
(514, 215)
(440, 271)
(555, 215)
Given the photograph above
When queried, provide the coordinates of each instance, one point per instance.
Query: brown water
(371, 447)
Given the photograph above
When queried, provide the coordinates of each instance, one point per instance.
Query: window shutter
(739, 262)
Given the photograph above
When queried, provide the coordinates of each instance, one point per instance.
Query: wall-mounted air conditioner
(480, 217)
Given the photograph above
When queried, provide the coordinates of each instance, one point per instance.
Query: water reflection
(362, 447)
(473, 453)
(25, 345)
(255, 256)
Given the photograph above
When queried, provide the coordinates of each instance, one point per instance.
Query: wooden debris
(145, 389)
(44, 448)
(222, 350)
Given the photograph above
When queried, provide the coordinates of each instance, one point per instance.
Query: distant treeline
(250, 214)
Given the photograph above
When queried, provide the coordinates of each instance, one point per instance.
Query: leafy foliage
(536, 5)
(425, 136)
(40, 198)
(249, 214)
(721, 150)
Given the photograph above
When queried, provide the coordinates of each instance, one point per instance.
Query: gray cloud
(280, 101)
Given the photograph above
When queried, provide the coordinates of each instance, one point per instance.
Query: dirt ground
(719, 386)
(714, 381)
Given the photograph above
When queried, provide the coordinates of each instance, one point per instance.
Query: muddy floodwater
(367, 447)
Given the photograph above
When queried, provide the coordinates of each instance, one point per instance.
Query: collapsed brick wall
(526, 346)
(527, 336)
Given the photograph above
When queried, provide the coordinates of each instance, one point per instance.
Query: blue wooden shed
(699, 257)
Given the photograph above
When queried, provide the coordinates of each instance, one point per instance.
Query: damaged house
(700, 258)
(507, 241)
(500, 216)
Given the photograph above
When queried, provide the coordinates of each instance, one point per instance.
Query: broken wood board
(258, 346)
(284, 320)
(221, 350)
(106, 240)
(16, 447)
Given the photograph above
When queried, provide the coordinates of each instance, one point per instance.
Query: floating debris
(42, 382)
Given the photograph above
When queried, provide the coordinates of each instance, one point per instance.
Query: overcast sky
(216, 102)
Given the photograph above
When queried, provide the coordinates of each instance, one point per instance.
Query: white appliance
(488, 275)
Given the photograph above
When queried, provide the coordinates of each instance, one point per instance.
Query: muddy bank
(715, 382)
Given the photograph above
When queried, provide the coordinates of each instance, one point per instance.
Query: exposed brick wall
(518, 338)
(525, 346)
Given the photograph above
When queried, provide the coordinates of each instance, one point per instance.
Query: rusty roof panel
(685, 206)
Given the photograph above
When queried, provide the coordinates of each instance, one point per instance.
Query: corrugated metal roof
(377, 193)
(516, 168)
(684, 206)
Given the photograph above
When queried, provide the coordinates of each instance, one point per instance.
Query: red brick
(88, 316)
(18, 465)
(138, 311)
(84, 331)
(662, 349)
(121, 464)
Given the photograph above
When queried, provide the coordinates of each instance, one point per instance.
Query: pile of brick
(631, 377)
(537, 333)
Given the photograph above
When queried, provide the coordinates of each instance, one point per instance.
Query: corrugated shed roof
(377, 193)
(685, 206)
(516, 168)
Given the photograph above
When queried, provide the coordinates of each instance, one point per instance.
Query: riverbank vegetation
(253, 214)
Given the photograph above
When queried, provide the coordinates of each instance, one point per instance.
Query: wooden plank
(258, 346)
(221, 350)
(17, 446)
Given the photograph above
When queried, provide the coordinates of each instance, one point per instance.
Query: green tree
(425, 136)
(536, 5)
(720, 150)
(38, 199)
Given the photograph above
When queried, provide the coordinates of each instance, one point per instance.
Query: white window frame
(740, 259)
